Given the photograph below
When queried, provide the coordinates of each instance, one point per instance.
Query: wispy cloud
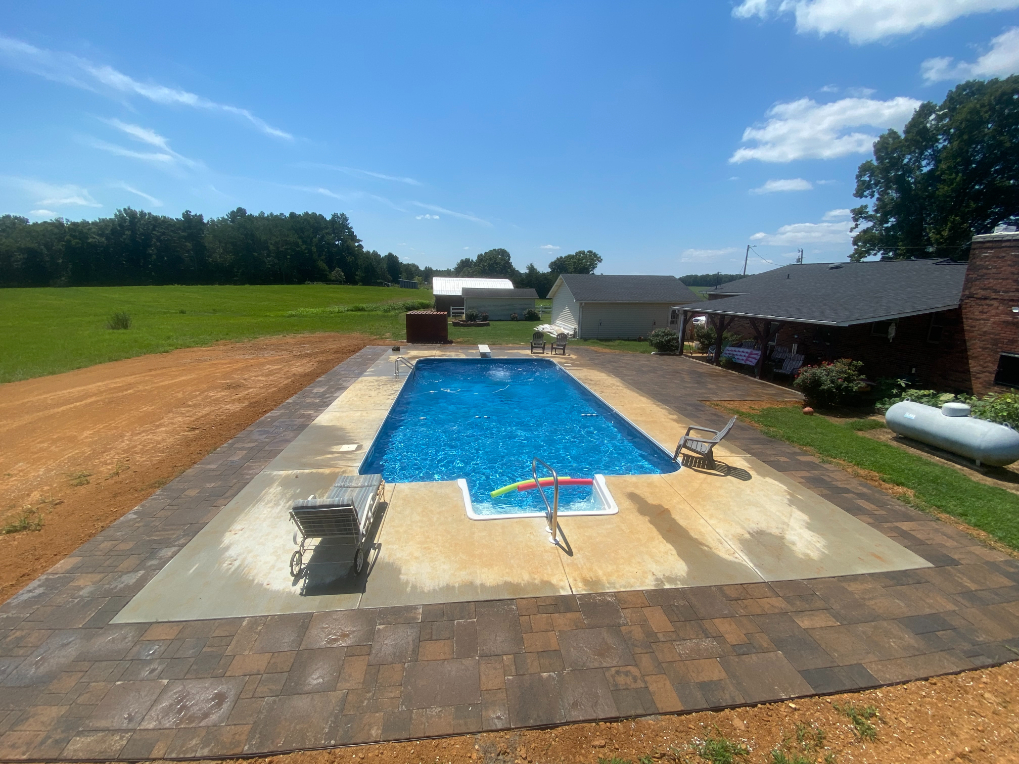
(778, 186)
(165, 155)
(348, 196)
(700, 255)
(150, 199)
(805, 129)
(69, 69)
(451, 213)
(356, 173)
(834, 229)
(549, 246)
(865, 21)
(426, 216)
(1001, 60)
(47, 195)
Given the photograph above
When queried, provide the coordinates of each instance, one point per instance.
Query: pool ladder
(396, 365)
(552, 512)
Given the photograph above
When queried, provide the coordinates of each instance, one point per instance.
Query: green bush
(119, 320)
(831, 384)
(514, 317)
(1001, 409)
(471, 315)
(664, 341)
(531, 315)
(705, 338)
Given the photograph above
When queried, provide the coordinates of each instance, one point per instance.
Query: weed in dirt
(810, 738)
(780, 757)
(863, 425)
(79, 479)
(119, 320)
(29, 520)
(829, 758)
(121, 467)
(718, 749)
(860, 717)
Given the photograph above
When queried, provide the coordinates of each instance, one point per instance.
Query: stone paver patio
(75, 686)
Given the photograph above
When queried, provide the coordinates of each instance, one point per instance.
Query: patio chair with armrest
(790, 364)
(703, 447)
(559, 346)
(342, 518)
(538, 341)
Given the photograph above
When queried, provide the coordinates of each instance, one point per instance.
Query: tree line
(139, 248)
(497, 263)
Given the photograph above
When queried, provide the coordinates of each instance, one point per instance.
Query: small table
(747, 356)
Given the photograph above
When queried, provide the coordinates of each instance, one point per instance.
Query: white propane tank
(955, 431)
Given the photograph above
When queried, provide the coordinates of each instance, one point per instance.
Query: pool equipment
(528, 485)
(952, 429)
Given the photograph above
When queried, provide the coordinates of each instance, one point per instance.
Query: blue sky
(665, 136)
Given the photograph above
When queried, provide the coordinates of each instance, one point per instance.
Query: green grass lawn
(47, 331)
(934, 486)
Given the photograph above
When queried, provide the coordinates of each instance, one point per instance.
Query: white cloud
(834, 229)
(349, 196)
(805, 129)
(865, 21)
(549, 246)
(444, 211)
(825, 182)
(695, 255)
(158, 157)
(1001, 60)
(43, 213)
(47, 195)
(427, 217)
(69, 69)
(775, 186)
(356, 173)
(150, 199)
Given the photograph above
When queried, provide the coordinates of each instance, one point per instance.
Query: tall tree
(953, 172)
(581, 261)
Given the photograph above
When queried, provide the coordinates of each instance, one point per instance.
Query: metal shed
(448, 291)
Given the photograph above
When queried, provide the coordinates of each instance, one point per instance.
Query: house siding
(499, 309)
(621, 320)
(565, 310)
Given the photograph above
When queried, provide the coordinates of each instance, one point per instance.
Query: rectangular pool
(484, 420)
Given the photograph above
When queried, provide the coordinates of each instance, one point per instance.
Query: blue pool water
(485, 419)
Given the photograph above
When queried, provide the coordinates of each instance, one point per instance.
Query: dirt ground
(80, 449)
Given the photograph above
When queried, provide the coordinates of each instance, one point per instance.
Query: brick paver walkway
(73, 686)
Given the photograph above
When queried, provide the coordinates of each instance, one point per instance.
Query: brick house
(950, 325)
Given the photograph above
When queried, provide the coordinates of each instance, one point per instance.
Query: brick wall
(990, 292)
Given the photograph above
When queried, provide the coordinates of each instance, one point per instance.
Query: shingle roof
(597, 288)
(520, 294)
(844, 293)
(452, 287)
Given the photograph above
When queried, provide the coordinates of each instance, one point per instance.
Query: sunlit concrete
(742, 522)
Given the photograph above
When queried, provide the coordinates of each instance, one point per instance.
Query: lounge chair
(559, 346)
(538, 341)
(703, 447)
(342, 518)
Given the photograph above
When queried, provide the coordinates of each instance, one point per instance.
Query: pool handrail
(396, 365)
(552, 513)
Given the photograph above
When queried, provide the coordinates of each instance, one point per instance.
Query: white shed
(448, 292)
(499, 304)
(617, 307)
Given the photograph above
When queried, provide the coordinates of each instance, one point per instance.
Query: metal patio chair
(342, 518)
(703, 447)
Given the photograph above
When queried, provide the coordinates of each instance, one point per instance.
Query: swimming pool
(485, 419)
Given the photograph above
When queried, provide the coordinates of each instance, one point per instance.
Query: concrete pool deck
(743, 522)
(75, 686)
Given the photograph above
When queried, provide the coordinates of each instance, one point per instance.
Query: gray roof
(519, 294)
(657, 289)
(841, 294)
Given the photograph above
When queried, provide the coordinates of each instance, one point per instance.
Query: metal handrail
(552, 513)
(396, 365)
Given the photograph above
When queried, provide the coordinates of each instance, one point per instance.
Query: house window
(936, 329)
(1008, 370)
(880, 329)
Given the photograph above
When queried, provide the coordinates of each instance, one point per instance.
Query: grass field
(931, 485)
(48, 331)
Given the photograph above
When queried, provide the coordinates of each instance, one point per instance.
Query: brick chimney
(990, 311)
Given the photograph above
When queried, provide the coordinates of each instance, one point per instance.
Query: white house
(617, 307)
(448, 292)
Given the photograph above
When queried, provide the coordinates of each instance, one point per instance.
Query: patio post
(682, 331)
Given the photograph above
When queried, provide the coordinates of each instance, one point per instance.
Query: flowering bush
(664, 341)
(830, 384)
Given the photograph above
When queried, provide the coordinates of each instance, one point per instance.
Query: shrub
(119, 320)
(482, 316)
(531, 315)
(514, 317)
(471, 315)
(664, 340)
(830, 384)
(1001, 409)
(337, 276)
(705, 338)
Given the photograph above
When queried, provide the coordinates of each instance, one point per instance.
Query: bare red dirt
(81, 449)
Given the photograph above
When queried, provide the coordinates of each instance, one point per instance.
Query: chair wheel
(359, 561)
(295, 563)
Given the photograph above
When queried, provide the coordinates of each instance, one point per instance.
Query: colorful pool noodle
(527, 485)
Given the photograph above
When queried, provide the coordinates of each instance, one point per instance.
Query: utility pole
(799, 260)
(745, 258)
